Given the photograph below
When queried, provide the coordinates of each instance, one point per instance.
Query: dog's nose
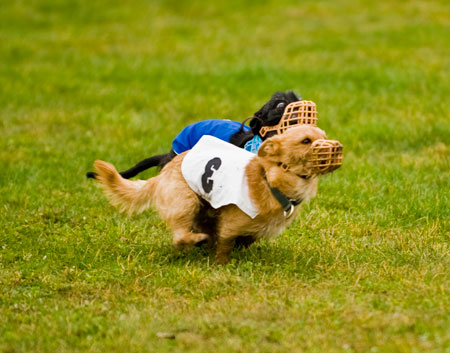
(326, 156)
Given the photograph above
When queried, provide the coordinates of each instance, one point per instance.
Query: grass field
(365, 267)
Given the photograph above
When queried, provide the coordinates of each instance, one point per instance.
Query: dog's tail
(128, 195)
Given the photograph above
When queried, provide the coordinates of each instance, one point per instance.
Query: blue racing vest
(220, 128)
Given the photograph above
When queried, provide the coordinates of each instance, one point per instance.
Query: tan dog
(284, 173)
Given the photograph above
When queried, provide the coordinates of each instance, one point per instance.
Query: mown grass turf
(365, 268)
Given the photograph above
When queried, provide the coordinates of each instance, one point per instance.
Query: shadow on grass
(265, 256)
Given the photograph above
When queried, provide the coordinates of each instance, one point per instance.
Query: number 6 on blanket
(215, 170)
(207, 183)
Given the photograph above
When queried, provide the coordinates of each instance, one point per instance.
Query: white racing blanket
(215, 170)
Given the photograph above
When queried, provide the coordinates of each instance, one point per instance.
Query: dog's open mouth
(326, 156)
(304, 176)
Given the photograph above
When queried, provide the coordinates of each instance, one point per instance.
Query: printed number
(212, 166)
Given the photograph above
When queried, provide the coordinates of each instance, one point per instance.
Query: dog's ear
(270, 148)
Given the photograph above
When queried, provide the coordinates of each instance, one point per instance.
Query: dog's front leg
(224, 248)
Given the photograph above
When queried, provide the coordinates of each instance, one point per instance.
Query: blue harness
(253, 144)
(220, 128)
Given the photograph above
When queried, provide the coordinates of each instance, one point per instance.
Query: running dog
(262, 201)
(230, 131)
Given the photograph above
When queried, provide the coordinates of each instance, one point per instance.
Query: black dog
(237, 134)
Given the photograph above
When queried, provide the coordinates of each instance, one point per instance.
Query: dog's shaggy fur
(283, 162)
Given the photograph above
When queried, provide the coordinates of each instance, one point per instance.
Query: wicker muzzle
(326, 156)
(296, 113)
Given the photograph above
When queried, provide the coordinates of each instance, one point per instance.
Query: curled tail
(129, 195)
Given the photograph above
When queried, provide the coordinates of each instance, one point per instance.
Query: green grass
(366, 266)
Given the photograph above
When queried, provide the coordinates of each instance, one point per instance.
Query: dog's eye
(281, 105)
(306, 177)
(306, 141)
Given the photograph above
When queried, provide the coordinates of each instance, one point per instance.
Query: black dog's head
(271, 112)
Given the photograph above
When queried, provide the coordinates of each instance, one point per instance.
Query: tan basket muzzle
(326, 156)
(296, 113)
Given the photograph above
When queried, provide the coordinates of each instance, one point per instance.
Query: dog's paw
(221, 260)
(91, 175)
(202, 242)
(189, 240)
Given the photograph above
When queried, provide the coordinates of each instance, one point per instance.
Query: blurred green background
(365, 268)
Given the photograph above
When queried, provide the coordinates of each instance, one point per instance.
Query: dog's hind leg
(141, 166)
(133, 171)
(180, 207)
(186, 239)
(156, 161)
(184, 236)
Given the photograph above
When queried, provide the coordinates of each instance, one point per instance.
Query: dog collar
(287, 204)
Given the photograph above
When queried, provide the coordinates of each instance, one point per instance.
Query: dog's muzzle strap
(287, 204)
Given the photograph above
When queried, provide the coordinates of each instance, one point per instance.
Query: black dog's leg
(245, 241)
(143, 165)
(91, 175)
(156, 161)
